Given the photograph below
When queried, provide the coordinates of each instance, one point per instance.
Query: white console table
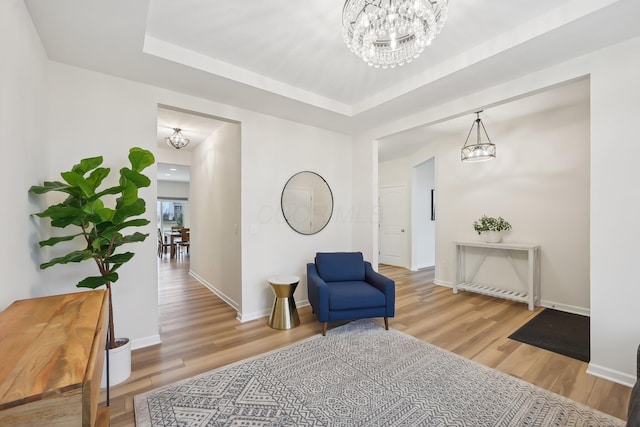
(531, 292)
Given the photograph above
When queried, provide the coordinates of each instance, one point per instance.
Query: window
(172, 213)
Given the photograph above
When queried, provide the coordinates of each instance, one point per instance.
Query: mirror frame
(330, 197)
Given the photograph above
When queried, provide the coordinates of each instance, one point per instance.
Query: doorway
(392, 221)
(211, 208)
(424, 216)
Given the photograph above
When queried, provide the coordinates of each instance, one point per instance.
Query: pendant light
(480, 151)
(176, 140)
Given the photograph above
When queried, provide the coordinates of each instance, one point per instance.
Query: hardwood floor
(199, 332)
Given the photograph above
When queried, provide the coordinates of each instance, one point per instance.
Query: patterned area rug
(360, 375)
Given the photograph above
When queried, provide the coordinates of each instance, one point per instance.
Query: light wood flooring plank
(199, 332)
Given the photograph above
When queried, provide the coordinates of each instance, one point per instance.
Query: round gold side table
(284, 314)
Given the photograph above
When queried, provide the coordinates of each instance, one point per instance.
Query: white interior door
(393, 236)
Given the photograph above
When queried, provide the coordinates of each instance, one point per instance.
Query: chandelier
(176, 140)
(479, 151)
(386, 33)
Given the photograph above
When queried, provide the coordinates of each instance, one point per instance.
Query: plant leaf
(55, 240)
(75, 256)
(97, 281)
(140, 222)
(87, 164)
(77, 180)
(138, 179)
(135, 237)
(61, 211)
(111, 228)
(97, 176)
(120, 258)
(65, 222)
(105, 214)
(48, 186)
(129, 210)
(129, 194)
(140, 159)
(110, 190)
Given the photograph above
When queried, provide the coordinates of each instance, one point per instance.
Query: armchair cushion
(354, 295)
(340, 266)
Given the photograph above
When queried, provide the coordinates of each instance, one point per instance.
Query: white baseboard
(566, 307)
(422, 267)
(611, 375)
(241, 317)
(247, 317)
(216, 291)
(443, 283)
(145, 342)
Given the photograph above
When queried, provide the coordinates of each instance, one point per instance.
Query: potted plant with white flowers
(491, 228)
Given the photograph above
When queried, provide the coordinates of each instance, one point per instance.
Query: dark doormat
(557, 331)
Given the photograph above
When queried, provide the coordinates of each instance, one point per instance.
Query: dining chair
(162, 244)
(185, 242)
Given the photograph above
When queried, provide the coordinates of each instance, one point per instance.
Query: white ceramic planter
(492, 236)
(119, 364)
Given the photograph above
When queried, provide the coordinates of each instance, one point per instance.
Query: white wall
(172, 156)
(86, 111)
(615, 210)
(173, 190)
(24, 163)
(272, 151)
(216, 220)
(364, 206)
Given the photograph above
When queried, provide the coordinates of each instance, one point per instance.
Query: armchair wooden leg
(324, 329)
(386, 323)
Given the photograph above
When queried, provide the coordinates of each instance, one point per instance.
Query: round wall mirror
(307, 202)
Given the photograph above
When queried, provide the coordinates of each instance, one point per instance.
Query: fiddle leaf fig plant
(101, 228)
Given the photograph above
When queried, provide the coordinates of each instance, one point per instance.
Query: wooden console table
(52, 355)
(531, 293)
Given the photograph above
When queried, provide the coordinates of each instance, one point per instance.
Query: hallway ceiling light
(176, 140)
(386, 33)
(480, 151)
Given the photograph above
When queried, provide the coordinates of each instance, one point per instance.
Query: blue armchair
(343, 286)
